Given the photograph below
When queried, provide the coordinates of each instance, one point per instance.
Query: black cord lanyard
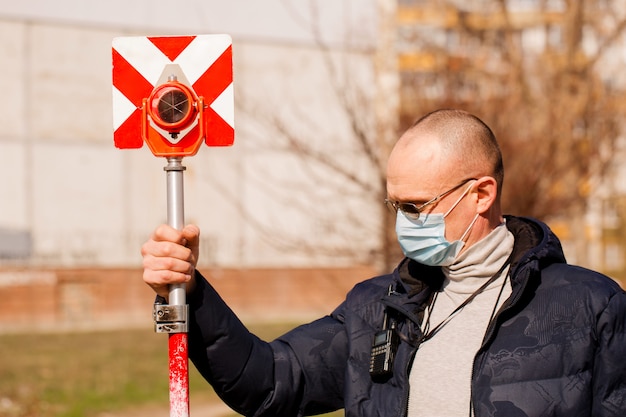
(427, 335)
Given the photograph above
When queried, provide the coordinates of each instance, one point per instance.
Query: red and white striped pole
(178, 342)
(173, 318)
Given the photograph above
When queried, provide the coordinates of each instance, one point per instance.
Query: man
(484, 316)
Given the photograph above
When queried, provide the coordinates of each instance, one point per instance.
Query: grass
(87, 374)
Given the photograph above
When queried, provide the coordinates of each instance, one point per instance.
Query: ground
(216, 409)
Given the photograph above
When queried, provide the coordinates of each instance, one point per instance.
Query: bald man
(483, 317)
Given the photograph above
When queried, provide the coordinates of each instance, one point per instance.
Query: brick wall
(93, 299)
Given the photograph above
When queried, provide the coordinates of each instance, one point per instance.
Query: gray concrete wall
(73, 199)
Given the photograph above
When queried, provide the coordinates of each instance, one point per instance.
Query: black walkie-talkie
(384, 349)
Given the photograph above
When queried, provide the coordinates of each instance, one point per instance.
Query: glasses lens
(410, 210)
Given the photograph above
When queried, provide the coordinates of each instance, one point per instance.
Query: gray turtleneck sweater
(440, 380)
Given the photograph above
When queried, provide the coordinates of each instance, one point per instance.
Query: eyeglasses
(412, 210)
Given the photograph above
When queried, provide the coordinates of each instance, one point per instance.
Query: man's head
(440, 151)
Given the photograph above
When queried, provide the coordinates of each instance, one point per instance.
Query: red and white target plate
(173, 93)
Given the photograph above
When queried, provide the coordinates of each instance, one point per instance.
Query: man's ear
(486, 189)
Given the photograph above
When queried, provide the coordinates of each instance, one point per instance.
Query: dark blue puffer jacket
(556, 348)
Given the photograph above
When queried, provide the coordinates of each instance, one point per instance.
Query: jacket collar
(535, 247)
(534, 242)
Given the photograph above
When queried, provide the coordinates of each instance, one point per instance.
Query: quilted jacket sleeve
(288, 377)
(609, 377)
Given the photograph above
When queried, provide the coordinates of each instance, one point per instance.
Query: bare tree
(340, 178)
(538, 77)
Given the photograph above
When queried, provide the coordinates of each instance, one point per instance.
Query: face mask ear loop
(462, 239)
(457, 201)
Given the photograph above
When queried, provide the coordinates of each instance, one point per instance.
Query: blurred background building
(75, 200)
(547, 77)
(322, 90)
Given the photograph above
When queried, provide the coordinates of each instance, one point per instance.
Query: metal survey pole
(178, 341)
(172, 318)
(173, 113)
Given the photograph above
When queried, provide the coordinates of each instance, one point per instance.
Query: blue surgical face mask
(424, 241)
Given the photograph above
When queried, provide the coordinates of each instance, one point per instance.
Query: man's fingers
(170, 257)
(160, 279)
(163, 277)
(166, 233)
(166, 249)
(168, 264)
(191, 234)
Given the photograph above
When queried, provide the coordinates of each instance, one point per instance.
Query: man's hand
(170, 256)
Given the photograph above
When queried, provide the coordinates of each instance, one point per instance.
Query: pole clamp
(170, 318)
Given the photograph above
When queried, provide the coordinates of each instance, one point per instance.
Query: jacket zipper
(407, 390)
(410, 317)
(489, 334)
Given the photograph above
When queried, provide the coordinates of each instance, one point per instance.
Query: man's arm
(300, 373)
(235, 362)
(609, 376)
